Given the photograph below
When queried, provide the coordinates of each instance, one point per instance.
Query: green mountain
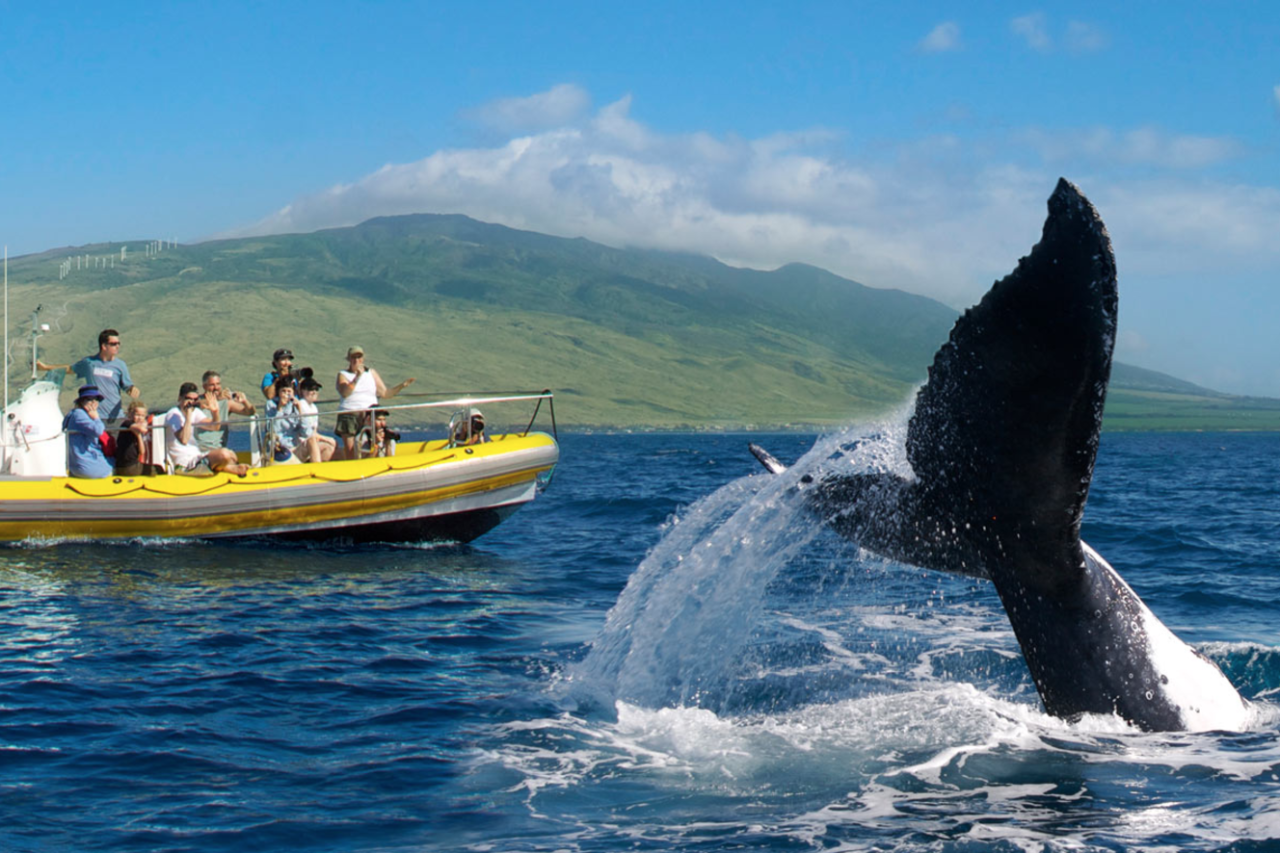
(626, 338)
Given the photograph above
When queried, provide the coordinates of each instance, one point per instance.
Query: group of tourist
(197, 430)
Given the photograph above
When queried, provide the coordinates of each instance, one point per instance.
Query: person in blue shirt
(106, 371)
(84, 429)
(281, 366)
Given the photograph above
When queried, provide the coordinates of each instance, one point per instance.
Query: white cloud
(942, 216)
(1085, 38)
(942, 38)
(553, 108)
(1141, 146)
(1173, 227)
(1034, 30)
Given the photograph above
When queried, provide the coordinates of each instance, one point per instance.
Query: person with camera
(86, 456)
(384, 438)
(360, 388)
(282, 365)
(469, 429)
(180, 424)
(285, 419)
(228, 402)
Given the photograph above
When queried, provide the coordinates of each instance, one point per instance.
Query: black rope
(536, 409)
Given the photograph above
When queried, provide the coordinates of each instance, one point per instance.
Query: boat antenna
(6, 327)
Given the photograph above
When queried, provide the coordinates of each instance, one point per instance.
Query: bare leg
(224, 461)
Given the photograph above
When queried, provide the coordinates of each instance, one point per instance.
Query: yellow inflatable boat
(431, 490)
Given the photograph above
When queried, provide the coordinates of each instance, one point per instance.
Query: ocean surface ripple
(662, 653)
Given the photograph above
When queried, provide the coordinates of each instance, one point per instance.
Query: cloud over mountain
(939, 216)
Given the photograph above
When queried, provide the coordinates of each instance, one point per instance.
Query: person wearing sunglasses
(106, 371)
(186, 455)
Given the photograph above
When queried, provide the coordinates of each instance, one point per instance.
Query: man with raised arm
(360, 388)
(106, 371)
(180, 424)
(228, 403)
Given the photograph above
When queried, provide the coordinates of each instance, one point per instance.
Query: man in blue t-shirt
(106, 371)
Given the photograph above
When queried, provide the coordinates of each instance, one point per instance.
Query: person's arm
(85, 422)
(396, 389)
(40, 365)
(126, 381)
(188, 424)
(212, 421)
(344, 387)
(379, 386)
(240, 405)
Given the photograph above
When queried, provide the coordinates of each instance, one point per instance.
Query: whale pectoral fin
(767, 459)
(1010, 417)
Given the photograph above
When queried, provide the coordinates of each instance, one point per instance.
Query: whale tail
(1006, 429)
(1002, 444)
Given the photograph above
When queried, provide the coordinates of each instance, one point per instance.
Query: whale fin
(767, 459)
(1006, 428)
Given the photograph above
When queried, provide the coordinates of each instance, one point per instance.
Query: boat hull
(427, 492)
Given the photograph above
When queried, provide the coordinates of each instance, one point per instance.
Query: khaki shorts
(350, 423)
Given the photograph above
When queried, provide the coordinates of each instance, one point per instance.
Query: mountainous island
(627, 338)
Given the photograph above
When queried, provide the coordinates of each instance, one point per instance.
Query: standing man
(106, 371)
(360, 388)
(226, 402)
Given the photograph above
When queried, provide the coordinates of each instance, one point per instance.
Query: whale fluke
(1002, 444)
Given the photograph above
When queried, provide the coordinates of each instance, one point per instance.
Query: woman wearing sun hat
(84, 429)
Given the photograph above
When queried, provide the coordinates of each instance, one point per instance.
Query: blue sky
(909, 148)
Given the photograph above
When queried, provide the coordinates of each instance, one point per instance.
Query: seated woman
(133, 444)
(313, 446)
(286, 422)
(86, 456)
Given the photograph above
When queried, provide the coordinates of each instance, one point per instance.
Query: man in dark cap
(86, 456)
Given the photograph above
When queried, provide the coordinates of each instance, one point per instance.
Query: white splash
(675, 635)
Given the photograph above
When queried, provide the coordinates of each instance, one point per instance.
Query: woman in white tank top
(360, 388)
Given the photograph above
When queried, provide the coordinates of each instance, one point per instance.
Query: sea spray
(676, 635)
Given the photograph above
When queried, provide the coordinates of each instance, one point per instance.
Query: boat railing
(260, 431)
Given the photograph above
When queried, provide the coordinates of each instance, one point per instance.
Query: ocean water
(664, 652)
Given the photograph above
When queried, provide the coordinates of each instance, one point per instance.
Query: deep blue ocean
(663, 652)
